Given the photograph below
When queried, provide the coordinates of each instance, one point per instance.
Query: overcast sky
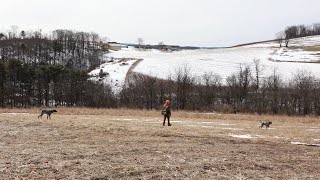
(181, 22)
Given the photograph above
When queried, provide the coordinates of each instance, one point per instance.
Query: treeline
(296, 32)
(50, 70)
(78, 50)
(302, 31)
(25, 85)
(245, 91)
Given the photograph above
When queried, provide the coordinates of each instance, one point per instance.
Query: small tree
(280, 37)
(286, 41)
(140, 42)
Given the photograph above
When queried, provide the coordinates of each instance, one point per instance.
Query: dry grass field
(131, 144)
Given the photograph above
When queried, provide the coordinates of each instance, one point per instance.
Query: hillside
(201, 79)
(302, 54)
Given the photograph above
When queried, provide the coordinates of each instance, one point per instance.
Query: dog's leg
(40, 115)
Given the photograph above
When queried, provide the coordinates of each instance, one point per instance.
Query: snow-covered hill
(302, 54)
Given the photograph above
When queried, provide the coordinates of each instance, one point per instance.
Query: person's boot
(169, 124)
(164, 123)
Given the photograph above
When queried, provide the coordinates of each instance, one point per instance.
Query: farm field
(132, 144)
(303, 54)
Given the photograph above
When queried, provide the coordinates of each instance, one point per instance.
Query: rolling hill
(303, 54)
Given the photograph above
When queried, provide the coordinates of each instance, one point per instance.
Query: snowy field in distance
(224, 61)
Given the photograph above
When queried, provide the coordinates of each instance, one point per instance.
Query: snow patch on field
(15, 113)
(238, 129)
(207, 126)
(278, 137)
(297, 143)
(207, 122)
(245, 136)
(191, 125)
(121, 119)
(306, 144)
(314, 129)
(177, 121)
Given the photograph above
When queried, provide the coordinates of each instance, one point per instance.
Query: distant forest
(39, 69)
(296, 32)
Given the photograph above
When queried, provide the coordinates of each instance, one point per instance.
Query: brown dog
(266, 124)
(48, 112)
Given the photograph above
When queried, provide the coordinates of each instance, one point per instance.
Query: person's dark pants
(164, 120)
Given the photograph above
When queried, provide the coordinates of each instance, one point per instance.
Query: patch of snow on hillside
(295, 55)
(305, 41)
(297, 50)
(115, 70)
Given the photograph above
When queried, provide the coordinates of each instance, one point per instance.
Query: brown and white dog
(48, 112)
(266, 124)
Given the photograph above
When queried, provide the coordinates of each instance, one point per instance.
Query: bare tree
(258, 95)
(258, 70)
(238, 88)
(280, 36)
(304, 84)
(161, 45)
(140, 42)
(273, 86)
(316, 97)
(212, 84)
(183, 82)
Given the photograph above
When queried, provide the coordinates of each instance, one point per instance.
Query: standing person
(166, 112)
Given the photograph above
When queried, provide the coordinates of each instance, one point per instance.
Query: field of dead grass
(83, 143)
(312, 48)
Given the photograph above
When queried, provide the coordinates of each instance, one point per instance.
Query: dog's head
(54, 110)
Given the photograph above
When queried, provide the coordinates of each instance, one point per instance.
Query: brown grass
(155, 113)
(83, 143)
(312, 48)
